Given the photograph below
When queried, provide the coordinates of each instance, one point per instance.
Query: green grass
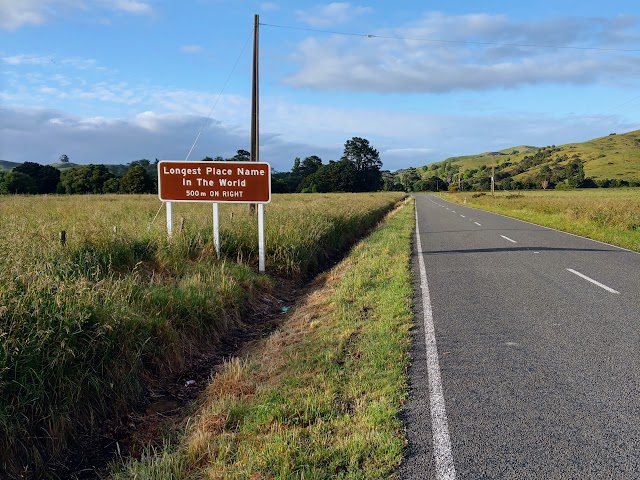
(610, 157)
(321, 397)
(5, 165)
(607, 215)
(82, 325)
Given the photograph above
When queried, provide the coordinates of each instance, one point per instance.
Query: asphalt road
(539, 366)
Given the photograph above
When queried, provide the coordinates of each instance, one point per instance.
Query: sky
(113, 81)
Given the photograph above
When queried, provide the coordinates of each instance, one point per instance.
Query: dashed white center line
(588, 279)
(463, 216)
(507, 238)
(477, 224)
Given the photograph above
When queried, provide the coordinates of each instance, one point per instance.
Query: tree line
(32, 178)
(358, 170)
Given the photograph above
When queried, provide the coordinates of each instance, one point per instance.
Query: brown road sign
(221, 182)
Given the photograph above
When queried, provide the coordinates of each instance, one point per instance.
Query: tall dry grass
(81, 323)
(607, 215)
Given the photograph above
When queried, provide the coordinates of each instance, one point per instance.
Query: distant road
(537, 335)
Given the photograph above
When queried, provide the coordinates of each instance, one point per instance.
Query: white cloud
(331, 14)
(404, 139)
(17, 13)
(407, 152)
(130, 6)
(27, 60)
(443, 53)
(192, 49)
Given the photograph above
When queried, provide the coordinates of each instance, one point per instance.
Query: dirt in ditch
(170, 401)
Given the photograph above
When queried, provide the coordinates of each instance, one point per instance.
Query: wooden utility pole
(493, 176)
(255, 103)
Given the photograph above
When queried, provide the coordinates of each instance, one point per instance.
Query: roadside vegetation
(611, 215)
(358, 170)
(606, 162)
(84, 324)
(320, 398)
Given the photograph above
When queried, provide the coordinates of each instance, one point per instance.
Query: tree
(334, 177)
(17, 182)
(136, 180)
(544, 176)
(111, 186)
(574, 173)
(391, 182)
(150, 168)
(432, 184)
(295, 170)
(64, 158)
(241, 156)
(310, 165)
(407, 178)
(85, 179)
(363, 155)
(366, 160)
(46, 177)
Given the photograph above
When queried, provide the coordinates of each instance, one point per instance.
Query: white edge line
(548, 228)
(507, 238)
(588, 279)
(445, 469)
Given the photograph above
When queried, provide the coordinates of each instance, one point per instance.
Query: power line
(623, 104)
(219, 94)
(463, 42)
(204, 124)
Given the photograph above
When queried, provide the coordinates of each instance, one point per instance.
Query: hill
(614, 157)
(6, 165)
(63, 165)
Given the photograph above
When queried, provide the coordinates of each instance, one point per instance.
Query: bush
(17, 183)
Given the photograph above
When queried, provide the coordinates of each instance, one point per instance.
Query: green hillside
(615, 157)
(6, 165)
(63, 165)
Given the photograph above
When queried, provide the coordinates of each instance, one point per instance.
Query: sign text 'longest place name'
(236, 182)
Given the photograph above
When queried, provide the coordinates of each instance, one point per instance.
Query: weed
(82, 324)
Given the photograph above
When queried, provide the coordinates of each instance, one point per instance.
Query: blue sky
(115, 81)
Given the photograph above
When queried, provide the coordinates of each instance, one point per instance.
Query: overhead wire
(204, 124)
(462, 42)
(219, 95)
(437, 40)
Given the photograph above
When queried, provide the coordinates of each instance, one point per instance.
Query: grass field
(83, 324)
(612, 157)
(321, 397)
(607, 215)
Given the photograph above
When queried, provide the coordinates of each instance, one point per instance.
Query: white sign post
(261, 254)
(216, 182)
(169, 220)
(216, 229)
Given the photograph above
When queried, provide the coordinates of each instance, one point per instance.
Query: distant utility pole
(493, 177)
(255, 101)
